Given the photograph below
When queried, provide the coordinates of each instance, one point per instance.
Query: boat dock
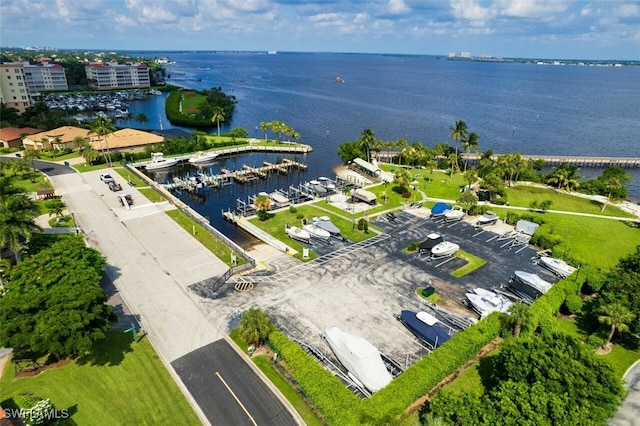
(551, 160)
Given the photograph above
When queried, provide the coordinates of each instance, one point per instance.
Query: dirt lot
(363, 289)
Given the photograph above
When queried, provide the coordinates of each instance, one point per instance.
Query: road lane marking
(236, 398)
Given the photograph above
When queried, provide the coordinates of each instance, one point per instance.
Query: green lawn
(151, 194)
(437, 184)
(214, 245)
(29, 180)
(191, 101)
(82, 168)
(473, 263)
(130, 177)
(471, 380)
(45, 156)
(523, 195)
(65, 221)
(119, 382)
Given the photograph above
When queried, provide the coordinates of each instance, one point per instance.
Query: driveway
(629, 412)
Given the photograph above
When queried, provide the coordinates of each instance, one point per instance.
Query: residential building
(112, 76)
(14, 92)
(57, 139)
(45, 77)
(11, 137)
(126, 140)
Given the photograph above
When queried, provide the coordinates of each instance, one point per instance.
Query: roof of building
(126, 138)
(65, 133)
(13, 133)
(366, 165)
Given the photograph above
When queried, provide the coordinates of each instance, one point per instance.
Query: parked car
(106, 178)
(114, 186)
(128, 198)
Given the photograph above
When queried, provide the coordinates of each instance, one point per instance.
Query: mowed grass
(523, 195)
(118, 383)
(438, 184)
(207, 239)
(82, 168)
(473, 263)
(29, 181)
(151, 194)
(191, 100)
(130, 177)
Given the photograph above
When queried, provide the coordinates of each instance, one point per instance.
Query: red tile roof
(13, 133)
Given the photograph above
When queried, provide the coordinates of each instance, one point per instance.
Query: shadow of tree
(110, 351)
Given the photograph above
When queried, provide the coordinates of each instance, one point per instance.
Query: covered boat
(445, 248)
(316, 232)
(325, 223)
(203, 157)
(425, 327)
(279, 199)
(557, 266)
(297, 234)
(489, 218)
(455, 213)
(439, 208)
(530, 284)
(159, 162)
(317, 187)
(432, 240)
(326, 182)
(361, 359)
(485, 302)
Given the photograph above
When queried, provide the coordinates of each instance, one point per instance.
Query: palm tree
(90, 154)
(453, 161)
(431, 165)
(79, 142)
(17, 212)
(31, 155)
(217, 117)
(402, 177)
(264, 126)
(518, 316)
(401, 144)
(142, 119)
(618, 317)
(470, 142)
(102, 127)
(366, 141)
(612, 185)
(458, 133)
(5, 269)
(55, 207)
(565, 176)
(470, 176)
(263, 202)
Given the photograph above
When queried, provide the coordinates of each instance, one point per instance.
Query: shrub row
(546, 308)
(337, 404)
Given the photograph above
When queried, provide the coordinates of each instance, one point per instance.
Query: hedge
(546, 308)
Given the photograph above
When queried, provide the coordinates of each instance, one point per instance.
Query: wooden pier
(550, 160)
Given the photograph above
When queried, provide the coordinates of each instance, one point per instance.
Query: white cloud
(471, 10)
(531, 8)
(585, 11)
(397, 7)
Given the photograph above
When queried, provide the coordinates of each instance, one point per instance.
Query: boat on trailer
(361, 359)
(425, 327)
(297, 234)
(485, 302)
(325, 223)
(433, 239)
(445, 248)
(529, 284)
(557, 266)
(488, 218)
(316, 232)
(455, 213)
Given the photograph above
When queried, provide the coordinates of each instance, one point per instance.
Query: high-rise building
(112, 75)
(14, 92)
(45, 77)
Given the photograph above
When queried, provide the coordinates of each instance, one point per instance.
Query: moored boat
(557, 266)
(326, 182)
(159, 162)
(203, 157)
(445, 248)
(317, 187)
(425, 327)
(361, 359)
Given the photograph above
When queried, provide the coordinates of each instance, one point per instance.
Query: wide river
(513, 107)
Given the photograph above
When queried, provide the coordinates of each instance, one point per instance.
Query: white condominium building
(45, 77)
(117, 76)
(14, 92)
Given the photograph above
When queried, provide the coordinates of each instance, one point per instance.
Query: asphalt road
(227, 390)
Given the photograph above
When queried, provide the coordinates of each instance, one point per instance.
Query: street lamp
(75, 224)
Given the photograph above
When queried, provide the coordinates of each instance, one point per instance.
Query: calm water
(526, 108)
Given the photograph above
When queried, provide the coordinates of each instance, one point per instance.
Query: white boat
(316, 232)
(445, 248)
(485, 302)
(456, 213)
(489, 218)
(297, 234)
(326, 182)
(557, 266)
(325, 223)
(203, 157)
(155, 92)
(317, 187)
(361, 359)
(530, 284)
(432, 240)
(159, 162)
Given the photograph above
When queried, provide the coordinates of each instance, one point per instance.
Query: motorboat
(557, 266)
(279, 199)
(159, 162)
(297, 234)
(316, 232)
(485, 302)
(529, 284)
(425, 327)
(203, 157)
(432, 240)
(439, 209)
(317, 187)
(361, 359)
(445, 248)
(324, 222)
(489, 218)
(326, 183)
(455, 213)
(338, 80)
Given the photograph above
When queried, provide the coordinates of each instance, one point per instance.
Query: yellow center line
(236, 398)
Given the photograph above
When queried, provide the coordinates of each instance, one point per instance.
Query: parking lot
(363, 288)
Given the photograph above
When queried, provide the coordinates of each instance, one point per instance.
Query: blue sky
(567, 29)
